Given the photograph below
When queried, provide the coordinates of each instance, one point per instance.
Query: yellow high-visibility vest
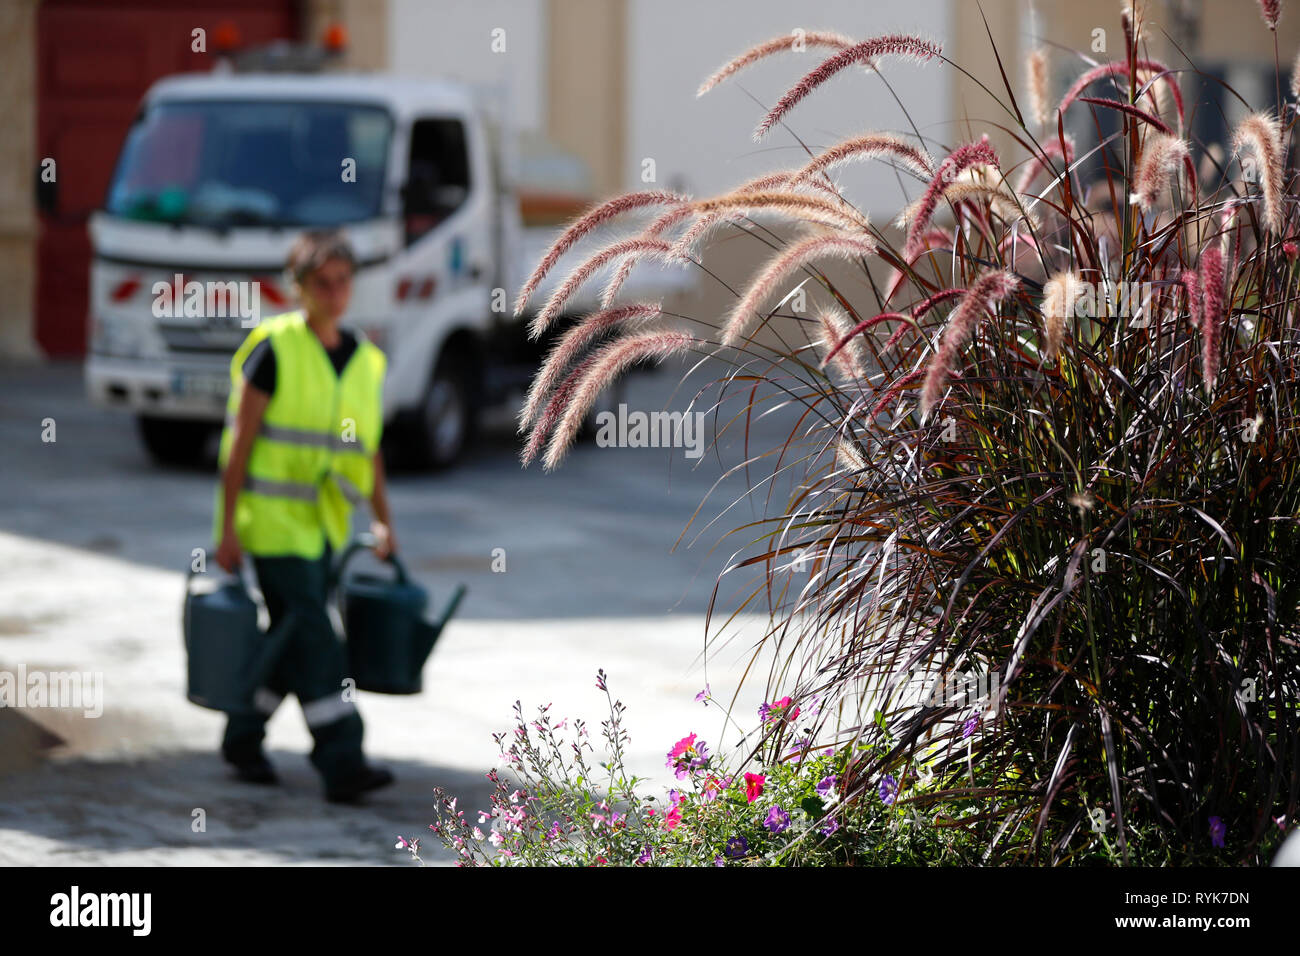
(313, 459)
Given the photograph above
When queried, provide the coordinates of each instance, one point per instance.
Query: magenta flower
(600, 679)
(687, 757)
(778, 710)
(754, 786)
(777, 820)
(672, 818)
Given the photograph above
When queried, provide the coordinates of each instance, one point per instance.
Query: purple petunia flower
(719, 861)
(1217, 831)
(827, 786)
(968, 728)
(703, 695)
(644, 857)
(888, 790)
(831, 826)
(737, 847)
(777, 820)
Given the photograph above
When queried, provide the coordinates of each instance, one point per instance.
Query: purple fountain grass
(1058, 305)
(637, 247)
(795, 205)
(571, 345)
(850, 335)
(1004, 202)
(1161, 156)
(1036, 68)
(1271, 12)
(987, 292)
(1191, 281)
(794, 257)
(1260, 134)
(892, 392)
(1117, 67)
(938, 298)
(906, 46)
(1040, 163)
(595, 376)
(867, 146)
(961, 159)
(1212, 286)
(654, 230)
(1295, 78)
(1132, 111)
(810, 38)
(603, 213)
(837, 330)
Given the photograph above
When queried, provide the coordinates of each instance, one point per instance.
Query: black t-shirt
(259, 367)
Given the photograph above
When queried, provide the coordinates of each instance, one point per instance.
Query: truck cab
(217, 176)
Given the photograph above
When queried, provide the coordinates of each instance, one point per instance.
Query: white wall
(452, 39)
(704, 145)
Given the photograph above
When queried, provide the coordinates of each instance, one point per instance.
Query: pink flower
(687, 756)
(672, 818)
(779, 710)
(754, 786)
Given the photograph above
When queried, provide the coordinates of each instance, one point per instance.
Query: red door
(94, 62)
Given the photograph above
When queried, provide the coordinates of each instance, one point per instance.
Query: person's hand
(385, 541)
(229, 554)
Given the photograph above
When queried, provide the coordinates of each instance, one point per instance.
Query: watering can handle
(363, 542)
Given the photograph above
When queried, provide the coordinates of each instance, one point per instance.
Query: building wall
(17, 165)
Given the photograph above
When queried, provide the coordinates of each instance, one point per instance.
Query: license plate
(200, 385)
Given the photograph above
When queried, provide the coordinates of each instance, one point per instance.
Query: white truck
(218, 175)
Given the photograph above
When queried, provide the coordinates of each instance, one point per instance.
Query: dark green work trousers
(311, 667)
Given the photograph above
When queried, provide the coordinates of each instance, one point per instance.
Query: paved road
(93, 542)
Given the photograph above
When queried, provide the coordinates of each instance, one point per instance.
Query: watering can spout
(429, 632)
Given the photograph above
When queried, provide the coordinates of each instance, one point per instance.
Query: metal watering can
(228, 655)
(383, 620)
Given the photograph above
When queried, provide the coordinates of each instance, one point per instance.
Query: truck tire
(444, 424)
(174, 441)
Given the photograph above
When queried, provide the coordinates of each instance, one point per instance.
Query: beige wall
(586, 62)
(366, 22)
(17, 167)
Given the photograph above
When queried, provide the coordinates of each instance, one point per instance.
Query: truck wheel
(444, 422)
(174, 441)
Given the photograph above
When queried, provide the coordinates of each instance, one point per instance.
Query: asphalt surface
(94, 541)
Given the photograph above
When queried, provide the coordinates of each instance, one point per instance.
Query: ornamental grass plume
(1161, 156)
(908, 47)
(603, 213)
(1116, 68)
(838, 338)
(867, 146)
(1271, 12)
(987, 293)
(796, 256)
(593, 377)
(1036, 68)
(638, 248)
(1059, 296)
(572, 344)
(794, 206)
(793, 41)
(959, 161)
(1261, 135)
(1212, 284)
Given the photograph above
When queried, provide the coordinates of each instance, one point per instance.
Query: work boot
(352, 789)
(256, 771)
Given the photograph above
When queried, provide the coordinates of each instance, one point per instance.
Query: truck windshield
(251, 163)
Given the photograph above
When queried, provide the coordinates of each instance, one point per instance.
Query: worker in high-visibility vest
(300, 448)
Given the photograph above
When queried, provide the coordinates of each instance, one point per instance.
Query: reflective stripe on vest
(303, 436)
